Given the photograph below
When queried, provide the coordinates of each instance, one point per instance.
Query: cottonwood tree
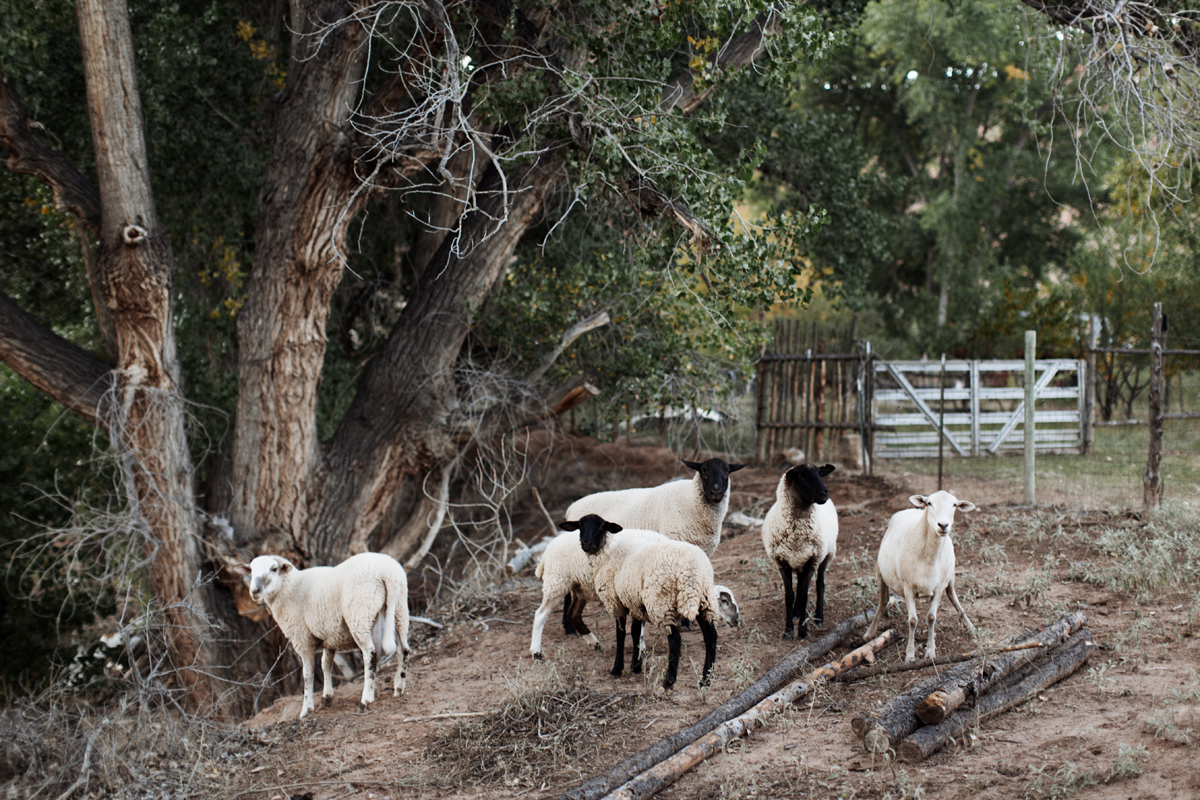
(488, 120)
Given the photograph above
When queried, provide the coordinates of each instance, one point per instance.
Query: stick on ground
(672, 769)
(786, 670)
(870, 671)
(1062, 662)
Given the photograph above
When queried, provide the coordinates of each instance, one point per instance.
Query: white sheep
(362, 602)
(800, 533)
(566, 572)
(916, 558)
(689, 511)
(655, 580)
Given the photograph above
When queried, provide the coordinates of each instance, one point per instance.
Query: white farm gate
(980, 407)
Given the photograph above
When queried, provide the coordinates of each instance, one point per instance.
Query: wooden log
(672, 769)
(778, 676)
(1061, 663)
(943, 701)
(864, 672)
(885, 727)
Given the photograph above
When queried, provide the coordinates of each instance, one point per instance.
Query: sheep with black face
(800, 535)
(656, 580)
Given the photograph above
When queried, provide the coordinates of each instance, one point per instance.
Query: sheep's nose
(944, 526)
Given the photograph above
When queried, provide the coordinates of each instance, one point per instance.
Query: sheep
(800, 533)
(916, 558)
(362, 602)
(656, 580)
(565, 571)
(689, 511)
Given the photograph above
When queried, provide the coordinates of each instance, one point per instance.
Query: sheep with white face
(916, 559)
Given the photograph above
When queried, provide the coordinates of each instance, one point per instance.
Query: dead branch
(865, 672)
(1061, 663)
(777, 676)
(671, 770)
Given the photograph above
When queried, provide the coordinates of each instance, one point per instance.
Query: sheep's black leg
(789, 598)
(819, 617)
(674, 642)
(619, 661)
(710, 648)
(575, 615)
(568, 623)
(635, 633)
(801, 608)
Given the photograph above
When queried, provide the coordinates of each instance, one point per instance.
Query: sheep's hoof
(636, 669)
(538, 657)
(599, 648)
(363, 708)
(327, 701)
(706, 680)
(788, 634)
(616, 673)
(666, 685)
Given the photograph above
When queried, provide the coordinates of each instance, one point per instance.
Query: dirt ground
(482, 719)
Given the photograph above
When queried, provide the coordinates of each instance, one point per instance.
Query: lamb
(362, 602)
(916, 558)
(566, 572)
(800, 533)
(689, 511)
(656, 580)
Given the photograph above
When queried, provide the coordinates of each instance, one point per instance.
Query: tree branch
(61, 369)
(29, 154)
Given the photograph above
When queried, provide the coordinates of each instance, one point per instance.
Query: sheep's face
(714, 477)
(727, 606)
(593, 531)
(266, 577)
(804, 483)
(939, 510)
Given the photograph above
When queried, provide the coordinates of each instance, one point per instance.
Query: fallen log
(1061, 663)
(942, 702)
(885, 727)
(672, 769)
(869, 671)
(777, 676)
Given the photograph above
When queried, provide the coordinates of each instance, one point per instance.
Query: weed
(1126, 765)
(1034, 587)
(1060, 784)
(1165, 723)
(993, 553)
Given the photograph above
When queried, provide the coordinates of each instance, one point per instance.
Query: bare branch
(568, 337)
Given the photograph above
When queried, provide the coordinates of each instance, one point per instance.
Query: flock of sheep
(643, 554)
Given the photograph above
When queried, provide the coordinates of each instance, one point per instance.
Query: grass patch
(1177, 714)
(549, 736)
(1060, 784)
(1142, 562)
(1127, 764)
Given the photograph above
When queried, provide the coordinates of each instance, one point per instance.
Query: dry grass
(552, 735)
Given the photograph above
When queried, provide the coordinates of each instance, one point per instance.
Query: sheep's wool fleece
(657, 580)
(796, 535)
(677, 509)
(564, 566)
(912, 554)
(323, 602)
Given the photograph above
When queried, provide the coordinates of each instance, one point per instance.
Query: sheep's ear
(285, 567)
(569, 525)
(694, 465)
(919, 500)
(240, 569)
(964, 505)
(825, 470)
(735, 467)
(612, 527)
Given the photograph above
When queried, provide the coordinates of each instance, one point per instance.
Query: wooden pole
(667, 772)
(778, 676)
(1030, 435)
(1061, 663)
(862, 673)
(1152, 487)
(942, 423)
(1089, 403)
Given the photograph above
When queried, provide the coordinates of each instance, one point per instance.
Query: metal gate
(979, 407)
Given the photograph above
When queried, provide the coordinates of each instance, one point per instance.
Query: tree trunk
(145, 413)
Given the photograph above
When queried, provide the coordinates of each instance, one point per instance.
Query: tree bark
(672, 769)
(1019, 687)
(776, 677)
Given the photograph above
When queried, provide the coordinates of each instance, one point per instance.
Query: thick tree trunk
(145, 414)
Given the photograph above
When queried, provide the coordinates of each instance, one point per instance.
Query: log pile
(918, 722)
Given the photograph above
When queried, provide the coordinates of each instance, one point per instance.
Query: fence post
(942, 423)
(1152, 487)
(1089, 402)
(1030, 381)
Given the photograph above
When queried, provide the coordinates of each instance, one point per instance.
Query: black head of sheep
(714, 477)
(805, 484)
(592, 531)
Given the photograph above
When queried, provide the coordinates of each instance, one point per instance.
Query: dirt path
(482, 719)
